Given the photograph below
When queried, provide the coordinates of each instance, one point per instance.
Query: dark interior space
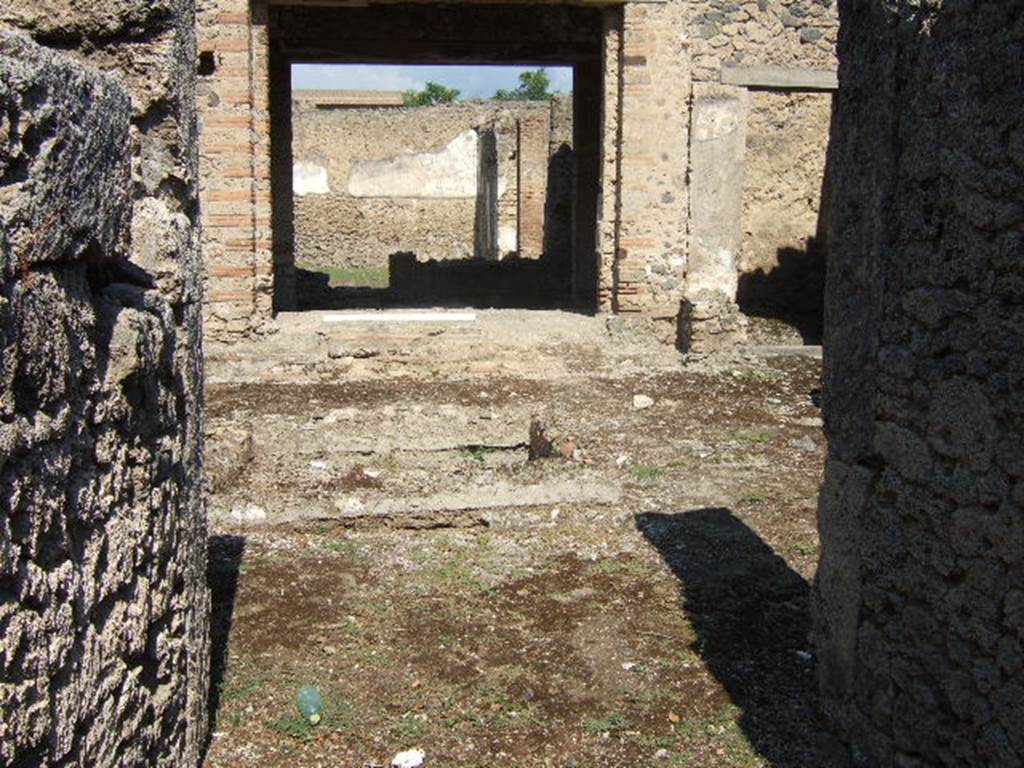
(565, 275)
(512, 283)
(792, 293)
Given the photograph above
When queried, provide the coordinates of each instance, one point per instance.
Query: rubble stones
(642, 402)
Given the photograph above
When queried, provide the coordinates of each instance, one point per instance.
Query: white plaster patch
(508, 240)
(402, 316)
(715, 120)
(452, 172)
(309, 179)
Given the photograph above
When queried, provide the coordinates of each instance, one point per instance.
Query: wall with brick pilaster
(650, 261)
(634, 212)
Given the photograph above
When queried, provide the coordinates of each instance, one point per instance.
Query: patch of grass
(295, 726)
(689, 655)
(450, 573)
(241, 685)
(370, 607)
(492, 710)
(723, 733)
(409, 729)
(656, 742)
(342, 546)
(370, 277)
(757, 436)
(351, 631)
(645, 471)
(477, 453)
(802, 547)
(648, 694)
(631, 567)
(753, 497)
(611, 723)
(757, 374)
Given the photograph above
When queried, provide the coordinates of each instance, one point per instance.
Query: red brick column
(235, 177)
(650, 259)
(534, 132)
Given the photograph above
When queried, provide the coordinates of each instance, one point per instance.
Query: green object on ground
(310, 703)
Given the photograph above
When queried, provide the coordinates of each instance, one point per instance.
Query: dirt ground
(639, 597)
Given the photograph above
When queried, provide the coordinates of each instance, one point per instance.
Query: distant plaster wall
(406, 179)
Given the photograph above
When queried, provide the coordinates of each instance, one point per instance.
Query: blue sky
(474, 82)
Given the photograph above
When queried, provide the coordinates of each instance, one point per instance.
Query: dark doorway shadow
(750, 613)
(224, 558)
(559, 243)
(511, 283)
(793, 292)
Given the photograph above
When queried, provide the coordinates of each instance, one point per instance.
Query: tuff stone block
(103, 603)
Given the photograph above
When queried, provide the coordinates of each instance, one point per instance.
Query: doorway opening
(418, 165)
(786, 216)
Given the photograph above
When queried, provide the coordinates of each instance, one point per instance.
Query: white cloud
(359, 77)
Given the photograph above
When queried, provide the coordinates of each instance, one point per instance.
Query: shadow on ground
(224, 559)
(750, 613)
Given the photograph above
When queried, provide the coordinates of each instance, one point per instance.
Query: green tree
(432, 93)
(533, 86)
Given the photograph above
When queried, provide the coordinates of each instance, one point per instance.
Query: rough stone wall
(788, 33)
(781, 261)
(920, 590)
(103, 604)
(341, 229)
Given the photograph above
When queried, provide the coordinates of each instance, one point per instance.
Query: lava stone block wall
(103, 604)
(787, 33)
(920, 591)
